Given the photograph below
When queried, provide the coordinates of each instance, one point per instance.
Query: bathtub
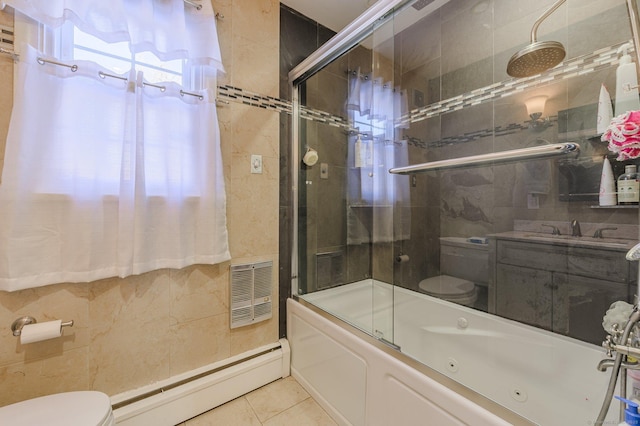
(475, 365)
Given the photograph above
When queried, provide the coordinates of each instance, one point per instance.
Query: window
(168, 151)
(134, 168)
(117, 57)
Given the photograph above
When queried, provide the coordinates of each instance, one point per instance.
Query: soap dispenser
(631, 416)
(629, 186)
(626, 83)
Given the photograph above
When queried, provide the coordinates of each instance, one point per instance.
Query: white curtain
(109, 178)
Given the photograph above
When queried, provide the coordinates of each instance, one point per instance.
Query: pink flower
(623, 135)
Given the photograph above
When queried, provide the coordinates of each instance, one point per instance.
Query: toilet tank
(462, 259)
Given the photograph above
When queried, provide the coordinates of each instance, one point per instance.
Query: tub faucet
(575, 228)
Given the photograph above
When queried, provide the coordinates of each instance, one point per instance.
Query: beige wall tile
(60, 373)
(252, 208)
(258, 21)
(199, 292)
(255, 66)
(129, 332)
(199, 342)
(256, 133)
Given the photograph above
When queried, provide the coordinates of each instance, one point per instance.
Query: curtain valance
(170, 29)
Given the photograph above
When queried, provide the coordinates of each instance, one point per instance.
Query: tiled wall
(459, 63)
(135, 331)
(456, 59)
(299, 37)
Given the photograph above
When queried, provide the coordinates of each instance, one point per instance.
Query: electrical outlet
(256, 163)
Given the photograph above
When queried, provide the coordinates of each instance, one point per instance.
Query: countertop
(614, 244)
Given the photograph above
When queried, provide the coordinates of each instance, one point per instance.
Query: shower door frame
(348, 37)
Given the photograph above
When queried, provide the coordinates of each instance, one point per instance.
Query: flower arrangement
(623, 135)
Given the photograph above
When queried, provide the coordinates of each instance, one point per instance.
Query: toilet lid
(447, 286)
(84, 408)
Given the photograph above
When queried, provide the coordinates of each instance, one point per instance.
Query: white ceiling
(333, 14)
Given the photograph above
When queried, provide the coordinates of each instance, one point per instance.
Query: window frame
(65, 46)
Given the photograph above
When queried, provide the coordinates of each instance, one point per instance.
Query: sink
(587, 241)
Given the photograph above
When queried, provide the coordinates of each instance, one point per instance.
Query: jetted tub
(544, 377)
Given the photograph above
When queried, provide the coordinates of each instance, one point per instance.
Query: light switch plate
(256, 163)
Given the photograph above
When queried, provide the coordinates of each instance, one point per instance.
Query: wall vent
(329, 269)
(251, 299)
(6, 37)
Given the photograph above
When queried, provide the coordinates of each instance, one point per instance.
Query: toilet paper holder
(17, 325)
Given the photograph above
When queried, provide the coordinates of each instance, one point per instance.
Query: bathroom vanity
(560, 283)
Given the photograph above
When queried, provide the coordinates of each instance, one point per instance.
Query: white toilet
(84, 408)
(463, 265)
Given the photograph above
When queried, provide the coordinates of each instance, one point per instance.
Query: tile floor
(281, 403)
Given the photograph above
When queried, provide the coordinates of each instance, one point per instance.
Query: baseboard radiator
(182, 397)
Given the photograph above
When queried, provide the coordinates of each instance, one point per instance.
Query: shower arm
(544, 16)
(494, 157)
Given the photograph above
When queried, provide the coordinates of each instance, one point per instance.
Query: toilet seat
(450, 288)
(84, 408)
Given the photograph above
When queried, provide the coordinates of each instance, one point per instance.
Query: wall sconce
(535, 109)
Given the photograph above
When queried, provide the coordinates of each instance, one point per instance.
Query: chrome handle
(554, 229)
(494, 157)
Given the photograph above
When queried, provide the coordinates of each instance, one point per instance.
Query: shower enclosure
(441, 178)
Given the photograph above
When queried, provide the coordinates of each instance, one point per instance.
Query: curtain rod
(494, 157)
(194, 4)
(11, 53)
(103, 75)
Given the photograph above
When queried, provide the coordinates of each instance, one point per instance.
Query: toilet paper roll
(40, 331)
(402, 258)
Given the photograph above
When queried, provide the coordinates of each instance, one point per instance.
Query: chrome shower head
(538, 56)
(634, 253)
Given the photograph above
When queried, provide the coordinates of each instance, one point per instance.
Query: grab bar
(494, 157)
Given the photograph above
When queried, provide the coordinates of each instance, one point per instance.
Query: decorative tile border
(477, 134)
(600, 59)
(235, 94)
(581, 65)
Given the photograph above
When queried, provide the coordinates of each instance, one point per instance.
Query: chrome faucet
(575, 228)
(598, 233)
(554, 229)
